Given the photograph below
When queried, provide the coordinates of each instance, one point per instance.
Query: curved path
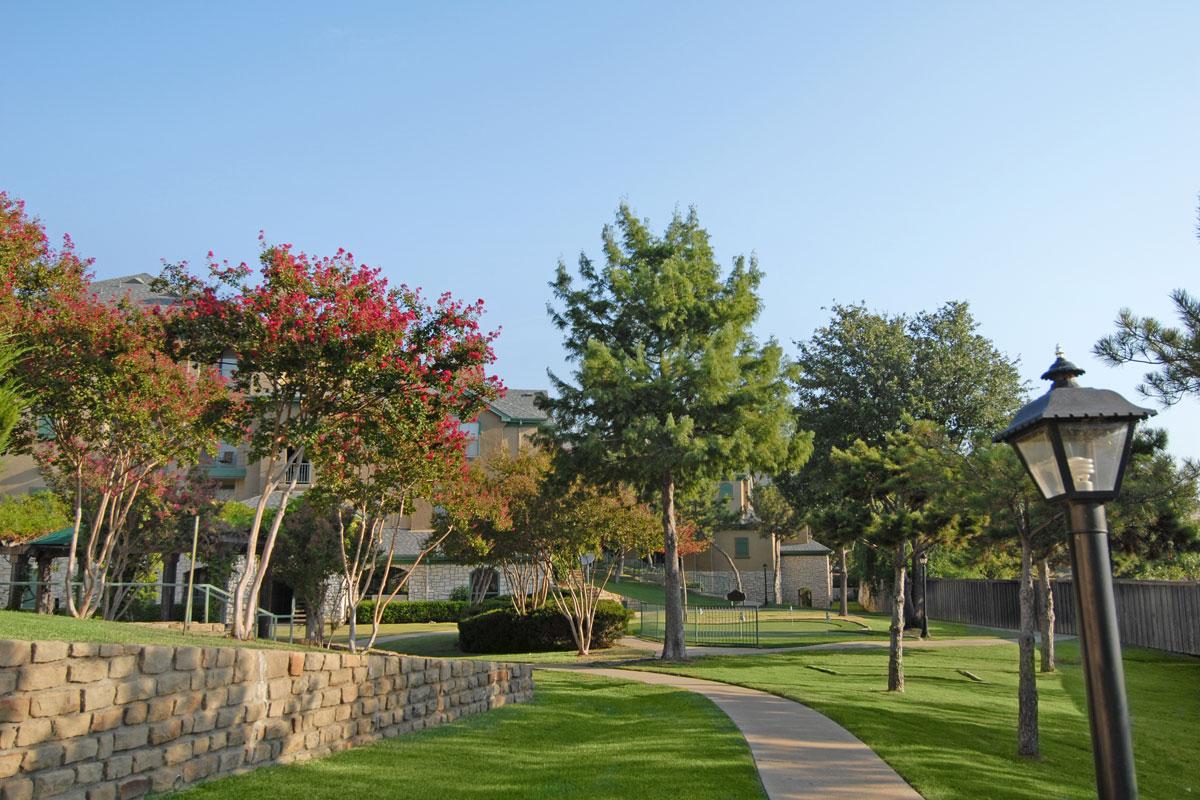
(800, 754)
(849, 644)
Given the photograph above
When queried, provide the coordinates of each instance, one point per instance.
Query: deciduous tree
(775, 519)
(864, 371)
(317, 341)
(113, 412)
(587, 522)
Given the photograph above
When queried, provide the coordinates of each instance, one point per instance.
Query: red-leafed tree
(108, 409)
(319, 342)
(377, 464)
(31, 269)
(113, 411)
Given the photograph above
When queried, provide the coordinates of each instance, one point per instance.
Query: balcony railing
(301, 473)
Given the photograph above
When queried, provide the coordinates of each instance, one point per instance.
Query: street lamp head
(1074, 440)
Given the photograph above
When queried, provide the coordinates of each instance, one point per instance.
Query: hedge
(427, 610)
(503, 630)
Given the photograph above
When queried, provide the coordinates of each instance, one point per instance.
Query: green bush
(427, 610)
(503, 630)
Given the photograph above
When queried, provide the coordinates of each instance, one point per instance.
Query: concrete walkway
(882, 644)
(800, 754)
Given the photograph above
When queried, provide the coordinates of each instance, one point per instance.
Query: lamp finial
(1062, 372)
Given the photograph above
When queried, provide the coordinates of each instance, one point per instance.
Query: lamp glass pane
(1094, 451)
(1038, 452)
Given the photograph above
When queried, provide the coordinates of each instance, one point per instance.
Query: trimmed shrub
(427, 610)
(503, 630)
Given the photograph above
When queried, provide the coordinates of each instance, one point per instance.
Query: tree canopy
(670, 388)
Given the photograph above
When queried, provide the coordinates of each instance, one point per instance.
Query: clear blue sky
(1039, 160)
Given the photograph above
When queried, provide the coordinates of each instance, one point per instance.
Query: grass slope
(581, 737)
(951, 737)
(653, 593)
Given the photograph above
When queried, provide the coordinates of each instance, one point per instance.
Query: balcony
(301, 473)
(226, 466)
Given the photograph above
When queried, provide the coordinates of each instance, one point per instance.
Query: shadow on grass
(953, 738)
(582, 737)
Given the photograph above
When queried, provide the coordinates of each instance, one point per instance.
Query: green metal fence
(736, 625)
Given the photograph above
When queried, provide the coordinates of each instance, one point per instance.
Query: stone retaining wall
(97, 721)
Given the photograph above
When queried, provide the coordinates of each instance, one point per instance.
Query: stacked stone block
(103, 721)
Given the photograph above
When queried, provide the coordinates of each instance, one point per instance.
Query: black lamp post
(766, 594)
(1075, 441)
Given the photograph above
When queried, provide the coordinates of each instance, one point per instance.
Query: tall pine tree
(670, 387)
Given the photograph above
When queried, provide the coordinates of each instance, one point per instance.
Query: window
(471, 431)
(741, 547)
(725, 491)
(228, 366)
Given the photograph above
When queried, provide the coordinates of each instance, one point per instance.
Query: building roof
(804, 549)
(135, 287)
(518, 406)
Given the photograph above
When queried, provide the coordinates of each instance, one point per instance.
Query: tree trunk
(674, 648)
(312, 622)
(737, 575)
(845, 602)
(776, 563)
(166, 598)
(1027, 698)
(620, 566)
(896, 644)
(1046, 618)
(45, 596)
(917, 605)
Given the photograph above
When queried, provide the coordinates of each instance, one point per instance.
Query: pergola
(42, 550)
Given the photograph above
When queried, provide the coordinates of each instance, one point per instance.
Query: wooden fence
(1164, 615)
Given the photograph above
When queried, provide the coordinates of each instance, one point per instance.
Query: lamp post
(766, 595)
(1075, 442)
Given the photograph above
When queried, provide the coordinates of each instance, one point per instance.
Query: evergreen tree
(670, 388)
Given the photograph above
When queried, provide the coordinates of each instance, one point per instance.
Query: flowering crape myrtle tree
(116, 412)
(105, 401)
(509, 530)
(586, 523)
(318, 342)
(31, 272)
(670, 388)
(377, 464)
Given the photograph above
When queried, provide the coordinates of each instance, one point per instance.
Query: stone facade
(102, 721)
(436, 581)
(806, 573)
(799, 574)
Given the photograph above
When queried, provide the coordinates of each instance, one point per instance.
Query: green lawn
(29, 626)
(653, 593)
(581, 737)
(951, 737)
